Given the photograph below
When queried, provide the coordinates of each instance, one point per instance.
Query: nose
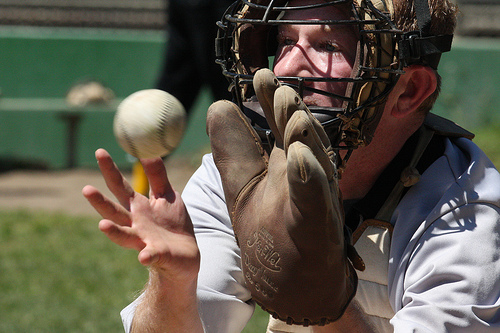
(293, 61)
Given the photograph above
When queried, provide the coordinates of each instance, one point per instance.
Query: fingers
(158, 179)
(265, 84)
(120, 235)
(237, 150)
(115, 181)
(307, 179)
(303, 127)
(297, 123)
(312, 193)
(286, 102)
(121, 188)
(106, 207)
(312, 176)
(116, 221)
(159, 229)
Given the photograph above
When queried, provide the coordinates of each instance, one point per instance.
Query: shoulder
(454, 207)
(476, 178)
(462, 175)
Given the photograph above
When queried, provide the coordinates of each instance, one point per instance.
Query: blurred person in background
(189, 56)
(189, 62)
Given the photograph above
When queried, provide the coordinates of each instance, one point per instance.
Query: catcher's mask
(247, 38)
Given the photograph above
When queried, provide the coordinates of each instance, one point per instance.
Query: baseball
(149, 123)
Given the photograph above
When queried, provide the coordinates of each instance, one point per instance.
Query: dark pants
(190, 56)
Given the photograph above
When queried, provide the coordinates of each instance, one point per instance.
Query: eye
(330, 47)
(284, 39)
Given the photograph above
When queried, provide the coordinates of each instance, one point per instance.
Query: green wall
(470, 92)
(45, 62)
(38, 67)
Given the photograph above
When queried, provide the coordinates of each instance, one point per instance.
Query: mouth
(310, 101)
(319, 96)
(253, 109)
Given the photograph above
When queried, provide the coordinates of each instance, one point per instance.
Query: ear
(413, 87)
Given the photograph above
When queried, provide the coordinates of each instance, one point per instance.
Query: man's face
(317, 51)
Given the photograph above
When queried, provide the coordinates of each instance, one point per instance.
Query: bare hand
(159, 227)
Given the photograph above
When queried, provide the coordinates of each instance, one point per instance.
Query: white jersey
(441, 265)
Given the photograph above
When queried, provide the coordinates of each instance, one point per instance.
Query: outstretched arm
(161, 230)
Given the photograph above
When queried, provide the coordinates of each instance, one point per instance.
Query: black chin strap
(420, 47)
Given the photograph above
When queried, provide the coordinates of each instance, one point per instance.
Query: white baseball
(149, 123)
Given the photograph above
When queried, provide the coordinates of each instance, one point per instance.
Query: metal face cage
(246, 38)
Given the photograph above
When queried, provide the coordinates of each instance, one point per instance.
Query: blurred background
(64, 67)
(49, 47)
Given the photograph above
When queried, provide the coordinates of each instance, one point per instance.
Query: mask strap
(423, 13)
(421, 47)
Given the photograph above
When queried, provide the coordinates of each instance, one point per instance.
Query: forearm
(167, 307)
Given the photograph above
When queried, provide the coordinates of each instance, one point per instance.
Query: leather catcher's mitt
(285, 207)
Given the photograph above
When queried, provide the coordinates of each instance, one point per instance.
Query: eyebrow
(342, 28)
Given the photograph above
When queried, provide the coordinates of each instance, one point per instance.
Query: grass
(258, 323)
(60, 274)
(488, 138)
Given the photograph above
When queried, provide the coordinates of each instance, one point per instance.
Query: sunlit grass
(60, 274)
(488, 139)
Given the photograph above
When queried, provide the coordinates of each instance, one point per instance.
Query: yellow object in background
(140, 182)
